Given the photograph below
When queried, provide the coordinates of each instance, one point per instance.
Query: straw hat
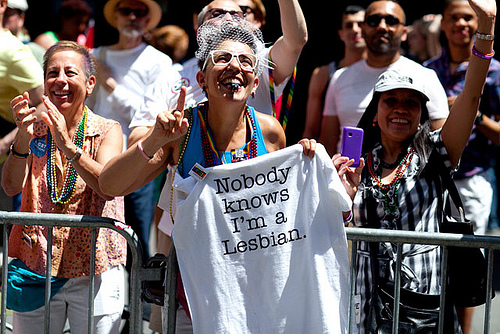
(154, 10)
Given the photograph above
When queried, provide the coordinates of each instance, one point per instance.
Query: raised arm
(314, 108)
(457, 129)
(286, 50)
(16, 166)
(144, 160)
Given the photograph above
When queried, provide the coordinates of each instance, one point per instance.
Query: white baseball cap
(18, 4)
(393, 79)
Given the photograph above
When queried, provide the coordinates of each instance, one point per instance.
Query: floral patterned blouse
(71, 246)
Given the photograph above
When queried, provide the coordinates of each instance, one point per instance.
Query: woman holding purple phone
(396, 191)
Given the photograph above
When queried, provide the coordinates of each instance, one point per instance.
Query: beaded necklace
(391, 188)
(68, 187)
(210, 153)
(179, 165)
(184, 142)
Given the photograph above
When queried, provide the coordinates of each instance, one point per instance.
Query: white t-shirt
(134, 70)
(261, 245)
(163, 94)
(351, 89)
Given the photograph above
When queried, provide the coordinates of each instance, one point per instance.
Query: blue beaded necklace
(71, 175)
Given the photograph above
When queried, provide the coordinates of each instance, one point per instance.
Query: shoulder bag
(467, 267)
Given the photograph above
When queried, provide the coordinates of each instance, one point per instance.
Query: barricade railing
(138, 272)
(445, 240)
(488, 243)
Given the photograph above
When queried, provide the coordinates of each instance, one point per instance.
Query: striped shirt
(413, 200)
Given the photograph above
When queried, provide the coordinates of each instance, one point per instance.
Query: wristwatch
(77, 155)
(479, 119)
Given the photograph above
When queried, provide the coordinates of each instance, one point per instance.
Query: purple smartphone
(352, 142)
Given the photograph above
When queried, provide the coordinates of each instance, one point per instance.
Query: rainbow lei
(210, 153)
(282, 118)
(389, 204)
(71, 175)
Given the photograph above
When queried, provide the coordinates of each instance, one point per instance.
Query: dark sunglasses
(374, 20)
(126, 11)
(216, 12)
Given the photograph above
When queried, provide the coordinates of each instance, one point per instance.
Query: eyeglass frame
(237, 13)
(233, 55)
(379, 17)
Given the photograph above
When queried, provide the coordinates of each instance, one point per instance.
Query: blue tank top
(194, 151)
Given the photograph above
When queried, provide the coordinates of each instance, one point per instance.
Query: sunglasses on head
(138, 12)
(216, 12)
(375, 19)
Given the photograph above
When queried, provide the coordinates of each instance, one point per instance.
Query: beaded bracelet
(482, 55)
(139, 145)
(348, 219)
(18, 155)
(77, 155)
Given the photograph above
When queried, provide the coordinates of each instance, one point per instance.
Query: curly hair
(213, 32)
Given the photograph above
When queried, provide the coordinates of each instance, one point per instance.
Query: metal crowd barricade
(138, 272)
(445, 240)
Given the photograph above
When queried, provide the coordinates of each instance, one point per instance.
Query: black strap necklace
(395, 163)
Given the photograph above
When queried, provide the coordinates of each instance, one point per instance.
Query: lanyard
(284, 117)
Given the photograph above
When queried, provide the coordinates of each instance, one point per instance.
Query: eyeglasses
(247, 10)
(216, 12)
(247, 61)
(138, 12)
(374, 20)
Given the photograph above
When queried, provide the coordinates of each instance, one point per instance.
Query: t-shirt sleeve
(24, 72)
(437, 140)
(330, 107)
(278, 89)
(160, 96)
(438, 102)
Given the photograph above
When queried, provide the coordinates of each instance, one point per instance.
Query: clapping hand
(24, 116)
(57, 125)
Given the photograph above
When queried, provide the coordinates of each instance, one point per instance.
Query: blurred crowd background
(323, 19)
